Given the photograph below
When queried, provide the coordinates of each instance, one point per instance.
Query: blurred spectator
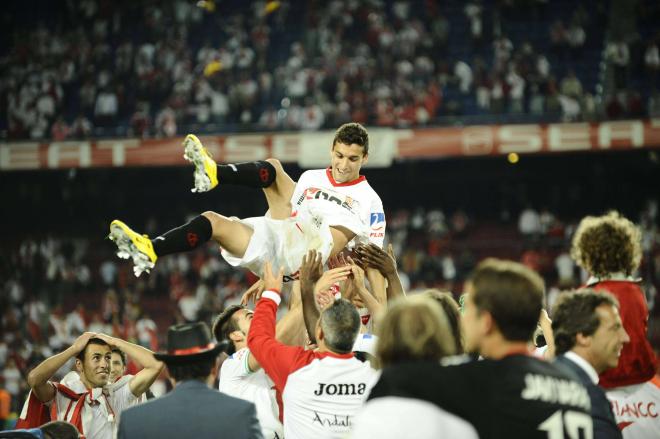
(473, 11)
(141, 121)
(529, 222)
(575, 36)
(652, 64)
(106, 108)
(147, 334)
(12, 378)
(81, 127)
(516, 85)
(464, 74)
(618, 55)
(558, 37)
(166, 122)
(571, 86)
(59, 130)
(565, 270)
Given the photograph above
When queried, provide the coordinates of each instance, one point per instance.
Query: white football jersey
(637, 409)
(236, 379)
(354, 205)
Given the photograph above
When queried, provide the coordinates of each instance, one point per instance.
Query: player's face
(243, 320)
(608, 340)
(346, 161)
(472, 321)
(95, 369)
(117, 368)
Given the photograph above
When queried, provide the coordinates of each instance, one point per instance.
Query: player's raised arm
(373, 256)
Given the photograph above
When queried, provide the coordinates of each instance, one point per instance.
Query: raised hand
(373, 256)
(332, 277)
(272, 281)
(253, 293)
(311, 268)
(82, 340)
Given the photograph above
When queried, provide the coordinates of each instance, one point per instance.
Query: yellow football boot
(206, 171)
(132, 245)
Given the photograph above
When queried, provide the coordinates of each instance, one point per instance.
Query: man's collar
(190, 384)
(584, 365)
(619, 276)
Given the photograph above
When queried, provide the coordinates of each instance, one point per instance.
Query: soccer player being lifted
(326, 210)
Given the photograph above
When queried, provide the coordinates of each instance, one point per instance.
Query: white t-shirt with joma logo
(321, 391)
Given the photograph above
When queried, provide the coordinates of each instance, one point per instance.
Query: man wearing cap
(192, 409)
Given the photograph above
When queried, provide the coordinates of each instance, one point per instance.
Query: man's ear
(582, 340)
(236, 336)
(365, 158)
(488, 323)
(79, 365)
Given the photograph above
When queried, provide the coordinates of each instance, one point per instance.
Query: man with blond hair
(414, 329)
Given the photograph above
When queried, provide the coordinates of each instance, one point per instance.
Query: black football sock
(260, 174)
(185, 238)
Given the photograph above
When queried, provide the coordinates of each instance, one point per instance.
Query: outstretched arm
(546, 326)
(39, 376)
(372, 304)
(276, 358)
(311, 271)
(144, 357)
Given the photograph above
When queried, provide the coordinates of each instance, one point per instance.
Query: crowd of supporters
(56, 289)
(96, 68)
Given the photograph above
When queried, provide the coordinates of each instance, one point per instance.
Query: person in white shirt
(431, 338)
(327, 210)
(241, 375)
(84, 397)
(321, 389)
(589, 337)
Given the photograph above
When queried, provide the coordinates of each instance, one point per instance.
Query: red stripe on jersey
(333, 182)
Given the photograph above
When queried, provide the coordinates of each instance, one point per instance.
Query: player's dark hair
(575, 313)
(511, 293)
(121, 353)
(59, 430)
(224, 324)
(352, 133)
(453, 314)
(195, 370)
(340, 323)
(93, 340)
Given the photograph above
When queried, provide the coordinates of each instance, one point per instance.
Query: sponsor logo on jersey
(639, 409)
(341, 389)
(313, 193)
(377, 221)
(331, 420)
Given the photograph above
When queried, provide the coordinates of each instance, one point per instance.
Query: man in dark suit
(589, 337)
(192, 409)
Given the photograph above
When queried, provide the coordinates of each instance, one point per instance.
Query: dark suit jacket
(601, 410)
(191, 410)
